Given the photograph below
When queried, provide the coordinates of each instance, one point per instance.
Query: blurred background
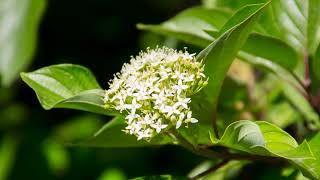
(101, 35)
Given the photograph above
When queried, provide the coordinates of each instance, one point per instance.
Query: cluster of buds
(153, 91)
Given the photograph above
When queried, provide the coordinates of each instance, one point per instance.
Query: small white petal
(178, 124)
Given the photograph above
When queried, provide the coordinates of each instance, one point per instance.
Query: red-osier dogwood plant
(166, 96)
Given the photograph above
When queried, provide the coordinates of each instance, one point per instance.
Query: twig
(214, 168)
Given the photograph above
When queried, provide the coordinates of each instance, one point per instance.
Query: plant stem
(307, 79)
(214, 168)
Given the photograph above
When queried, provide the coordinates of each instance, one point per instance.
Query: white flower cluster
(153, 91)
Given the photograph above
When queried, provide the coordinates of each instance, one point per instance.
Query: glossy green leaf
(67, 86)
(217, 58)
(263, 138)
(111, 135)
(19, 21)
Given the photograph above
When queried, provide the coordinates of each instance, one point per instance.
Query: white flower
(149, 120)
(190, 118)
(122, 106)
(158, 126)
(180, 87)
(189, 78)
(182, 102)
(153, 91)
(144, 134)
(169, 110)
(134, 106)
(160, 98)
(132, 116)
(179, 122)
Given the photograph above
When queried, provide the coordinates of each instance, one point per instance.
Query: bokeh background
(101, 35)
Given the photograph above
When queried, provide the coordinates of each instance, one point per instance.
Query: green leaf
(313, 25)
(294, 22)
(311, 167)
(67, 86)
(314, 70)
(217, 58)
(271, 50)
(111, 135)
(263, 138)
(189, 25)
(160, 177)
(19, 21)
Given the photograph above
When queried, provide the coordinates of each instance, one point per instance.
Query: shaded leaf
(111, 135)
(197, 32)
(189, 25)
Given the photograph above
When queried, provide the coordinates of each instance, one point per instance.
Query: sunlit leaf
(311, 167)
